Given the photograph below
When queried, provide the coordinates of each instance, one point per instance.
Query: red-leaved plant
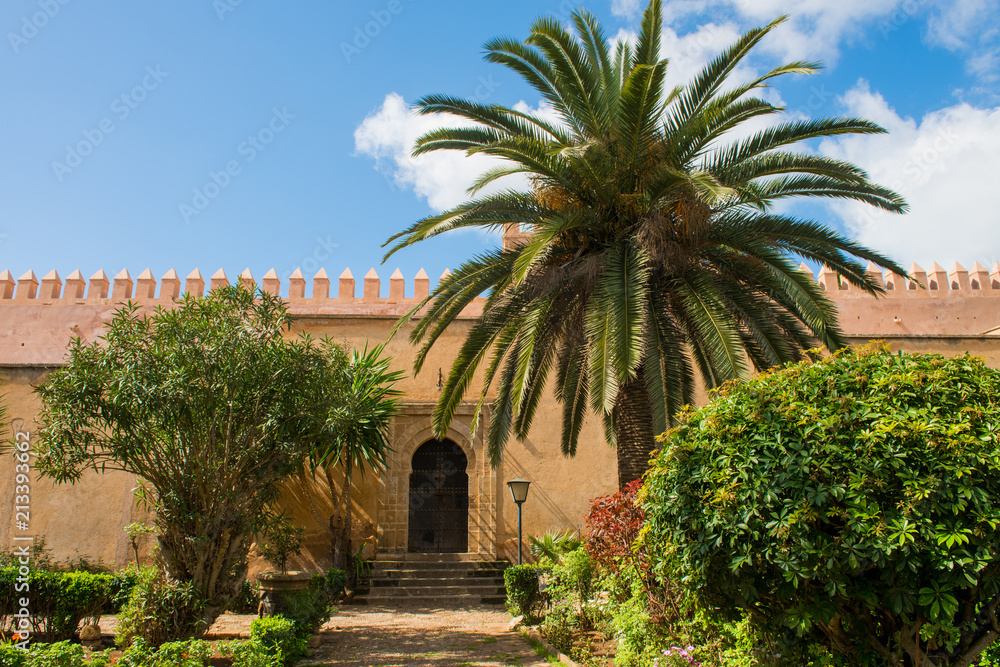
(613, 525)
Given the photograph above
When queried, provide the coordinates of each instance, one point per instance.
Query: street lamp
(519, 492)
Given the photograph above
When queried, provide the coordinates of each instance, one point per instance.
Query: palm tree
(653, 249)
(359, 427)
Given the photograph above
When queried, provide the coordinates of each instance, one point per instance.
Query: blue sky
(218, 133)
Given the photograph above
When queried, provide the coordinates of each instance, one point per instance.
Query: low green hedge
(57, 601)
(523, 596)
(280, 637)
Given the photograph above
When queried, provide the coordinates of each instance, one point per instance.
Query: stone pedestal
(274, 586)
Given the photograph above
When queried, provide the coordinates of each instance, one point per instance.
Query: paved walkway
(394, 637)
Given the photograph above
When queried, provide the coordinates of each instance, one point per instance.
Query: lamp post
(519, 492)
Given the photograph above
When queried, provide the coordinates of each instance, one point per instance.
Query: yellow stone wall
(39, 318)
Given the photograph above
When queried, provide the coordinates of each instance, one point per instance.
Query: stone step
(422, 591)
(423, 572)
(442, 558)
(436, 581)
(443, 564)
(442, 601)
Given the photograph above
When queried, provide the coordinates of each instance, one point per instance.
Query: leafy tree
(360, 428)
(653, 251)
(856, 498)
(210, 406)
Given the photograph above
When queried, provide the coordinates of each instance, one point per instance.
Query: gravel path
(391, 637)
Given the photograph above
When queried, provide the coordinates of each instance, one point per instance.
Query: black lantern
(519, 493)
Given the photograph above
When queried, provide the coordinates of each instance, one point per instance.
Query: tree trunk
(633, 429)
(213, 559)
(345, 538)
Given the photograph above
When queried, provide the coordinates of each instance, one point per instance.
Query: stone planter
(273, 588)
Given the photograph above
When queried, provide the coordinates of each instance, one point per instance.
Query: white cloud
(443, 177)
(629, 8)
(944, 164)
(818, 29)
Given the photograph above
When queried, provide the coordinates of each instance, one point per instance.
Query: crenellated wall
(51, 289)
(957, 312)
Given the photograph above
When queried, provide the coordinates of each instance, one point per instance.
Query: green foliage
(335, 582)
(135, 532)
(855, 500)
(281, 541)
(308, 609)
(59, 600)
(137, 654)
(101, 659)
(362, 567)
(279, 636)
(12, 656)
(187, 653)
(246, 601)
(120, 589)
(190, 653)
(551, 547)
(160, 610)
(250, 654)
(213, 387)
(651, 249)
(58, 654)
(521, 582)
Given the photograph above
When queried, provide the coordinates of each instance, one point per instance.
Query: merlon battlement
(936, 282)
(51, 289)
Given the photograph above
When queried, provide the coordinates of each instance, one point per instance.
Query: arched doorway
(439, 499)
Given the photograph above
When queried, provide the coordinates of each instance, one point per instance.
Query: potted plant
(280, 542)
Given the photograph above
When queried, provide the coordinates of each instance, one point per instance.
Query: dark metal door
(439, 499)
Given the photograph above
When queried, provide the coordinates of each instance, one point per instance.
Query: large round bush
(856, 498)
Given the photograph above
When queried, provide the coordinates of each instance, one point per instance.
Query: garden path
(398, 636)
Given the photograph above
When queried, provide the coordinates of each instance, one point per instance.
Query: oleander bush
(854, 501)
(160, 610)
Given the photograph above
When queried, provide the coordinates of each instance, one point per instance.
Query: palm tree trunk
(633, 429)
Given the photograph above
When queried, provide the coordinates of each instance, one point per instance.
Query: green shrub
(855, 500)
(521, 582)
(336, 581)
(246, 601)
(12, 656)
(120, 589)
(160, 610)
(190, 653)
(101, 659)
(279, 636)
(309, 608)
(249, 654)
(281, 540)
(137, 654)
(551, 547)
(59, 654)
(59, 600)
